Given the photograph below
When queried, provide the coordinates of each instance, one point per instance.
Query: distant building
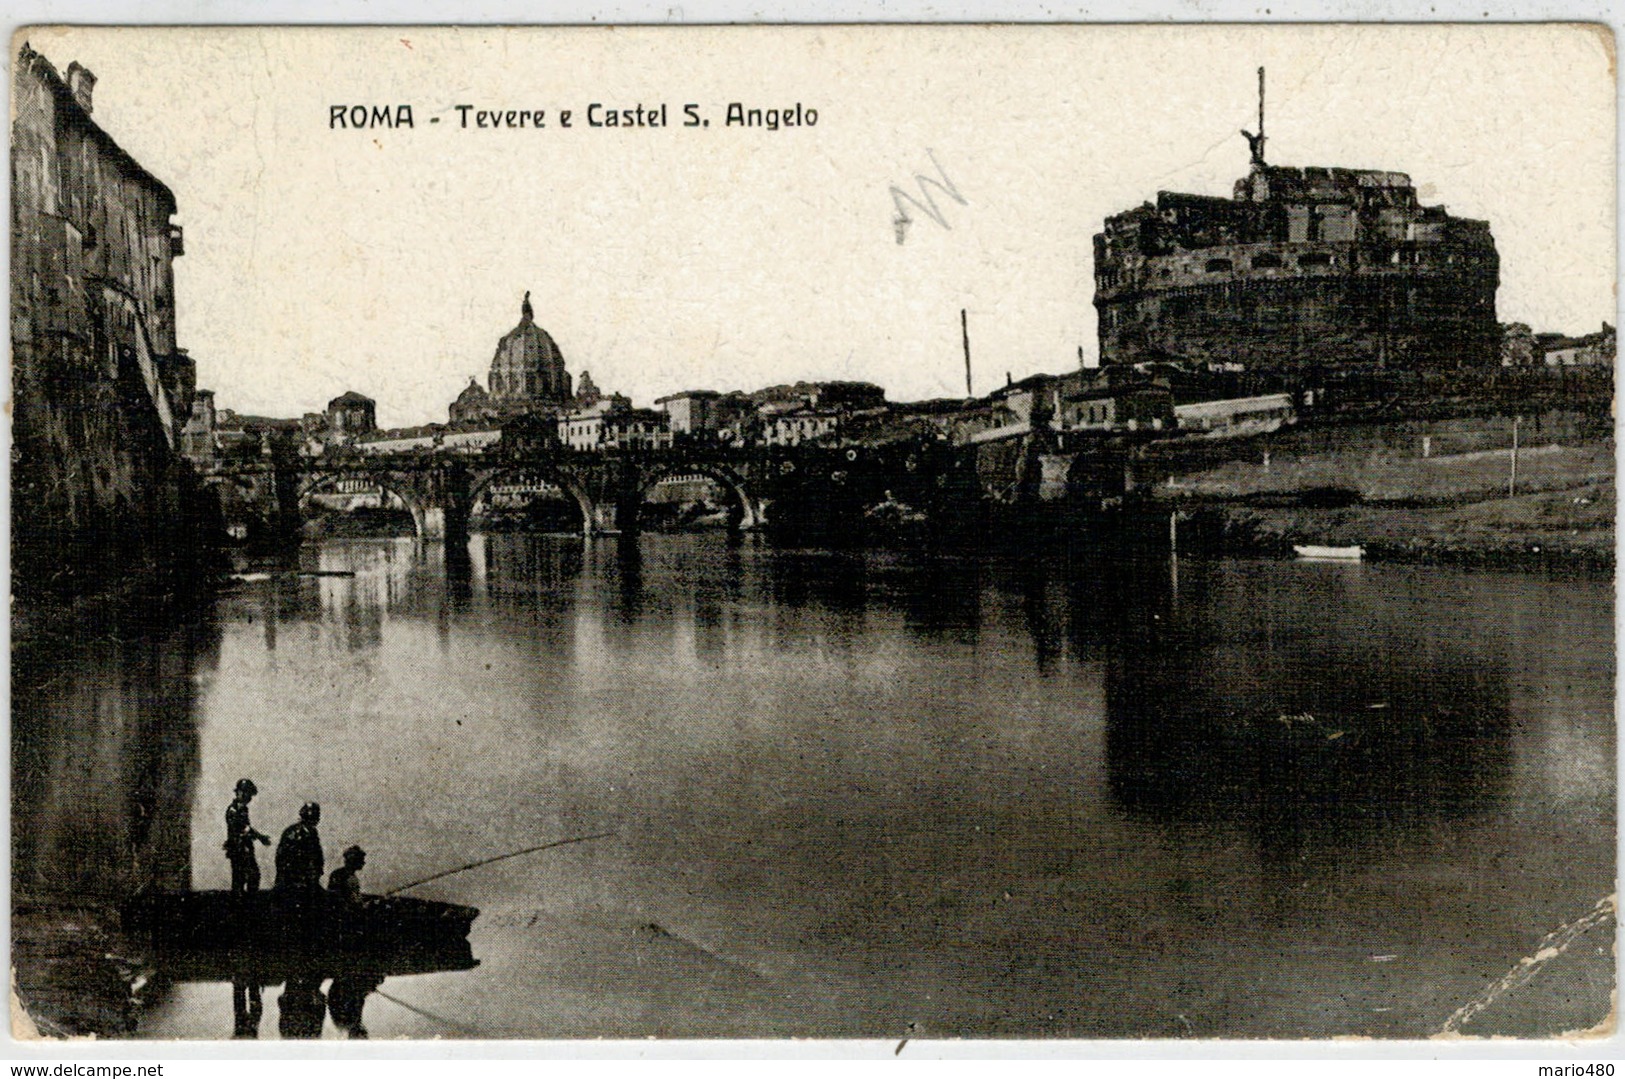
(197, 436)
(1025, 402)
(799, 425)
(349, 416)
(473, 405)
(527, 377)
(1101, 399)
(911, 421)
(823, 395)
(430, 437)
(1103, 404)
(471, 439)
(694, 412)
(390, 440)
(1517, 345)
(1596, 349)
(686, 487)
(614, 424)
(1299, 267)
(239, 435)
(587, 392)
(638, 429)
(790, 415)
(1240, 416)
(527, 371)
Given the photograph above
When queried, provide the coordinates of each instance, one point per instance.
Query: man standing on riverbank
(240, 839)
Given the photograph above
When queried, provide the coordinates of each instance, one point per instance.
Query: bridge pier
(604, 517)
(448, 523)
(454, 525)
(448, 505)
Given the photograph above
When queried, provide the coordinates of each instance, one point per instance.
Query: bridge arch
(751, 508)
(481, 488)
(319, 482)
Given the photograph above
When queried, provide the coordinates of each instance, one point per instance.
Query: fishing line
(452, 1023)
(500, 857)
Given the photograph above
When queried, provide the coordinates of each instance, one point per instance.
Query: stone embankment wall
(1413, 490)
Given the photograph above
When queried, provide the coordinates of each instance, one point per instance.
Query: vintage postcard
(886, 532)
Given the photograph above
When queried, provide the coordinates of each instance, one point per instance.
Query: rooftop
(69, 106)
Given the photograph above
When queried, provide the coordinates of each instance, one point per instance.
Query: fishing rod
(500, 857)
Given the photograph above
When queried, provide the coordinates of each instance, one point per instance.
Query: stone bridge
(804, 489)
(441, 490)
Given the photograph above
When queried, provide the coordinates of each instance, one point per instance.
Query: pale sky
(390, 261)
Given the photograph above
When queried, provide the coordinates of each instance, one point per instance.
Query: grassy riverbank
(1374, 486)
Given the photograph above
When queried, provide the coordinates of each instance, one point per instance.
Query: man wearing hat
(240, 837)
(299, 859)
(343, 881)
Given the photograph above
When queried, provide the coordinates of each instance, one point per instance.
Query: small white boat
(1337, 554)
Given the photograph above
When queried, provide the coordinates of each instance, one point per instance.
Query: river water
(865, 794)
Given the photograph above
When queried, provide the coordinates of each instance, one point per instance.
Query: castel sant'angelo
(1299, 267)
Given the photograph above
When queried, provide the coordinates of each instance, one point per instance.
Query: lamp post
(1512, 480)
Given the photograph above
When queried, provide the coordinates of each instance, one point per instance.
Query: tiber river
(878, 795)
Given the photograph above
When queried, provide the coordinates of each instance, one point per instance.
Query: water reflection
(247, 1006)
(350, 981)
(104, 752)
(347, 997)
(104, 765)
(944, 599)
(301, 1009)
(458, 564)
(1351, 717)
(1042, 605)
(629, 580)
(873, 785)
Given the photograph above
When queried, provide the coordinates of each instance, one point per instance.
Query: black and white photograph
(929, 534)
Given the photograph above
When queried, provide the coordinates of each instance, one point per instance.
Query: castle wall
(1301, 267)
(1324, 315)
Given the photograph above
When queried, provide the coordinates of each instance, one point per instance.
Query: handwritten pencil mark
(929, 207)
